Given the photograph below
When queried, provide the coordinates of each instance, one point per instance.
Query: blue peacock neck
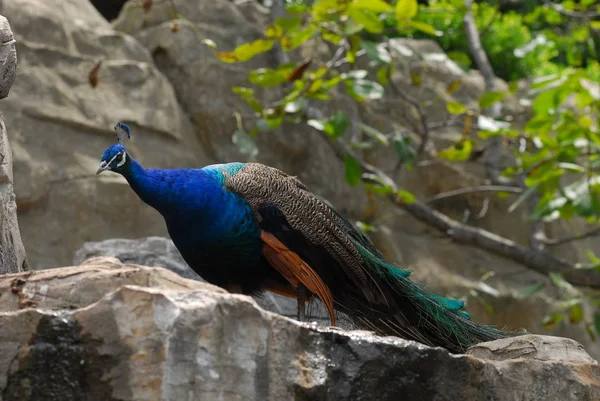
(143, 183)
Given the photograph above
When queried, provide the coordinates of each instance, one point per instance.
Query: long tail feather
(427, 317)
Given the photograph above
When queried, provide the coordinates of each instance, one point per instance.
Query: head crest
(122, 129)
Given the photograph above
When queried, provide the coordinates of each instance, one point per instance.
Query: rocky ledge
(111, 331)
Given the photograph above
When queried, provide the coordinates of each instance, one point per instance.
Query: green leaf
(244, 143)
(289, 24)
(334, 127)
(274, 32)
(377, 51)
(548, 100)
(248, 50)
(383, 74)
(269, 123)
(295, 39)
(490, 98)
(367, 19)
(552, 320)
(592, 257)
(558, 281)
(424, 27)
(453, 87)
(455, 108)
(355, 74)
(371, 5)
(404, 149)
(405, 196)
(319, 125)
(362, 89)
(460, 58)
(374, 133)
(406, 9)
(459, 152)
(338, 124)
(365, 227)
(353, 170)
(543, 81)
(248, 95)
(576, 314)
(267, 77)
(326, 10)
(530, 291)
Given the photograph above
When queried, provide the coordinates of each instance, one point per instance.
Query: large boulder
(12, 253)
(108, 331)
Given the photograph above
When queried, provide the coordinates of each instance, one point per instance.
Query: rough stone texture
(12, 253)
(541, 348)
(156, 336)
(161, 252)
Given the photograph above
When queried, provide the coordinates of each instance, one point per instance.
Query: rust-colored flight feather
(295, 270)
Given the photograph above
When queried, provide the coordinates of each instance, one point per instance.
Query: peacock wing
(266, 187)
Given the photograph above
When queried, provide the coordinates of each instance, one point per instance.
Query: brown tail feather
(295, 270)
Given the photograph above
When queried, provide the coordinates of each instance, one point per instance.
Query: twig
(481, 188)
(559, 241)
(422, 128)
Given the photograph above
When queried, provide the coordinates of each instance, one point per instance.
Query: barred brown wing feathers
(264, 186)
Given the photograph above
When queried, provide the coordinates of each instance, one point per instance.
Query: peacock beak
(103, 166)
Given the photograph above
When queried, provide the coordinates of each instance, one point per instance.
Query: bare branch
(470, 190)
(423, 127)
(559, 241)
(477, 51)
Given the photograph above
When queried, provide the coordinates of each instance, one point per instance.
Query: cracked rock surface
(109, 331)
(12, 253)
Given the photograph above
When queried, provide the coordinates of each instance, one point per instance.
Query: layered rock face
(108, 331)
(12, 253)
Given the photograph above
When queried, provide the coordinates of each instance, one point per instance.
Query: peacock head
(116, 158)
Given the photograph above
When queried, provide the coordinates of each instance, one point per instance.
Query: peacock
(249, 228)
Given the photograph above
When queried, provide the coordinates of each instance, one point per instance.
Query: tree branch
(559, 241)
(537, 260)
(470, 190)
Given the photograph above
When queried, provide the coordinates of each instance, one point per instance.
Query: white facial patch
(124, 159)
(121, 162)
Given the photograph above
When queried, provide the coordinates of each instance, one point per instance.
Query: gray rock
(8, 58)
(150, 251)
(161, 252)
(157, 336)
(12, 253)
(541, 348)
